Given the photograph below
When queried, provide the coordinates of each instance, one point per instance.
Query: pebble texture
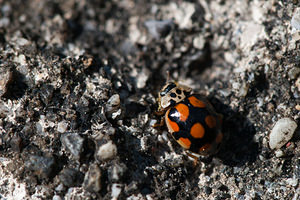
(295, 22)
(92, 179)
(282, 132)
(107, 151)
(73, 143)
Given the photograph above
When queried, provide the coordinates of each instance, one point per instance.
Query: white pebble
(21, 59)
(282, 132)
(62, 126)
(116, 190)
(292, 181)
(199, 42)
(60, 188)
(22, 42)
(279, 153)
(295, 22)
(114, 100)
(107, 151)
(56, 197)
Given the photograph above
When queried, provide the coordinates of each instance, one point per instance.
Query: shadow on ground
(238, 147)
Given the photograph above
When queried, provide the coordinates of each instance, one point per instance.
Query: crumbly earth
(78, 88)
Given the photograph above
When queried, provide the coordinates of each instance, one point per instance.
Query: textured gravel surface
(78, 88)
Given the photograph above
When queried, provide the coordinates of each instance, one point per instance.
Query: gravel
(78, 89)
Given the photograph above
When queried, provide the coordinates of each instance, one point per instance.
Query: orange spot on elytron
(184, 142)
(183, 110)
(210, 121)
(197, 130)
(219, 138)
(173, 125)
(204, 147)
(196, 102)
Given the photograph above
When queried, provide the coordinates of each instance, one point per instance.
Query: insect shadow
(238, 147)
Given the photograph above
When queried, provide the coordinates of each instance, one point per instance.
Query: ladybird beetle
(190, 118)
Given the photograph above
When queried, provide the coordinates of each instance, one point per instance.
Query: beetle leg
(160, 124)
(159, 113)
(195, 158)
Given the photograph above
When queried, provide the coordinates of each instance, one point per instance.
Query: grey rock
(295, 22)
(159, 29)
(16, 143)
(46, 93)
(117, 171)
(113, 104)
(71, 177)
(73, 142)
(92, 179)
(56, 197)
(5, 79)
(294, 73)
(42, 165)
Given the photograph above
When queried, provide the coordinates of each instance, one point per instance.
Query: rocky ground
(78, 88)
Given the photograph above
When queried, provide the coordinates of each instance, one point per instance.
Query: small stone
(60, 188)
(116, 190)
(116, 114)
(292, 181)
(251, 33)
(152, 122)
(295, 22)
(73, 142)
(92, 179)
(21, 59)
(107, 151)
(70, 177)
(62, 126)
(199, 42)
(207, 190)
(5, 79)
(41, 125)
(4, 22)
(159, 29)
(181, 13)
(16, 143)
(297, 83)
(22, 42)
(279, 153)
(46, 93)
(127, 47)
(113, 104)
(116, 172)
(243, 90)
(6, 9)
(282, 132)
(142, 78)
(294, 73)
(56, 197)
(41, 165)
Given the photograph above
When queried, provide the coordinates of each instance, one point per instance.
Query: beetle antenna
(168, 76)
